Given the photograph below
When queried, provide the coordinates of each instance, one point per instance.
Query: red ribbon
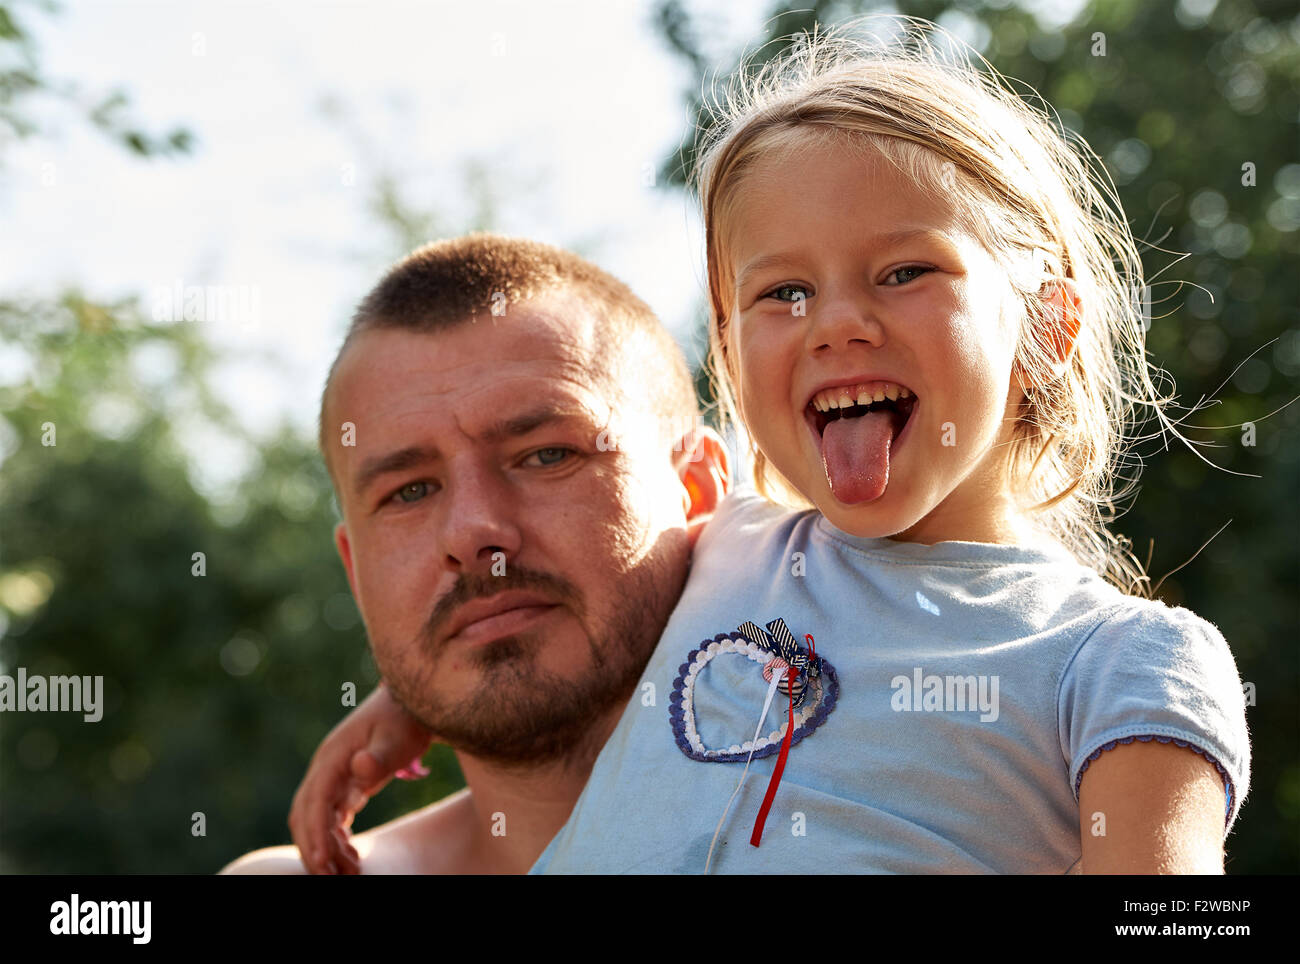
(757, 835)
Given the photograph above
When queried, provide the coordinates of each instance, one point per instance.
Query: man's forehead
(561, 335)
(537, 357)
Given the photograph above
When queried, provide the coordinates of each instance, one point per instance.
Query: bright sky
(569, 106)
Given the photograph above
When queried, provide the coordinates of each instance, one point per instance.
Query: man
(511, 436)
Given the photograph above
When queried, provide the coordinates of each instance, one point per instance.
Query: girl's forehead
(844, 189)
(808, 155)
(782, 200)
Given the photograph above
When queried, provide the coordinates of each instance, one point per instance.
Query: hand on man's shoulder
(432, 840)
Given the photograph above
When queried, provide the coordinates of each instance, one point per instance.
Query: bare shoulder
(268, 860)
(436, 839)
(432, 840)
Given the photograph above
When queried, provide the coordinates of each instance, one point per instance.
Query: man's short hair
(448, 283)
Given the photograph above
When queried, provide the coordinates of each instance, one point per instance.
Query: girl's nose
(842, 321)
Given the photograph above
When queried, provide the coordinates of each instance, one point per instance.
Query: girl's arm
(353, 763)
(1163, 812)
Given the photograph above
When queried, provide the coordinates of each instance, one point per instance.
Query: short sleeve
(1154, 672)
(742, 510)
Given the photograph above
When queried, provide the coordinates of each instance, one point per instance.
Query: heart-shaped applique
(823, 692)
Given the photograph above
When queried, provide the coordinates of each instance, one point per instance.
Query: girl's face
(852, 284)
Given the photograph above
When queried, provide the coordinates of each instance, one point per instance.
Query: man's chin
(520, 719)
(517, 712)
(506, 650)
(540, 695)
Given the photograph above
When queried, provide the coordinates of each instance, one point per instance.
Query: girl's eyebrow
(759, 265)
(882, 241)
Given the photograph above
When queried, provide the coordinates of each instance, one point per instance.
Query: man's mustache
(471, 586)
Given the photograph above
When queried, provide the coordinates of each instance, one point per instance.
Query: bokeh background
(287, 152)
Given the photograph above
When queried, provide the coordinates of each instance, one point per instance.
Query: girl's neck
(999, 522)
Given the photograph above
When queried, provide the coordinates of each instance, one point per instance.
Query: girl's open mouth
(858, 426)
(901, 410)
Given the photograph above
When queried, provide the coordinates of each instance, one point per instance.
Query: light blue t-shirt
(964, 690)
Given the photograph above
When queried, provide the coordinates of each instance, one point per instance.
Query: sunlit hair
(456, 281)
(1036, 197)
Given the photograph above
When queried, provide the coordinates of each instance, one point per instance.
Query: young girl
(924, 313)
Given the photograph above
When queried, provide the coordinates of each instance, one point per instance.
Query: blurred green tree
(23, 81)
(223, 671)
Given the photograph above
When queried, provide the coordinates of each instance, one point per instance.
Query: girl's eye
(915, 271)
(788, 293)
(551, 456)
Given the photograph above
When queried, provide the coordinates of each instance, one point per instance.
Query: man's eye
(412, 492)
(553, 455)
(788, 293)
(914, 270)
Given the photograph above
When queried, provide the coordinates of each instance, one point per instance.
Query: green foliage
(1175, 107)
(218, 687)
(21, 78)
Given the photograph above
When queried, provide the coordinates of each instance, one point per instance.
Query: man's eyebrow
(529, 421)
(410, 457)
(414, 456)
(886, 239)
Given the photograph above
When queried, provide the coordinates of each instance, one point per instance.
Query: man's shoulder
(431, 840)
(427, 841)
(268, 860)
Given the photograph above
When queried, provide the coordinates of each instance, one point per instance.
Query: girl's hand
(353, 763)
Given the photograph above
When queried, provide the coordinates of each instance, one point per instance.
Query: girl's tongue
(855, 454)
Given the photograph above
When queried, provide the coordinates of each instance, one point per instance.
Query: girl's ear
(1061, 319)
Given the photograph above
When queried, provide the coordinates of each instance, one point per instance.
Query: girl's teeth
(843, 397)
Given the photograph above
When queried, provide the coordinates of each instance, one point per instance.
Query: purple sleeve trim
(1227, 780)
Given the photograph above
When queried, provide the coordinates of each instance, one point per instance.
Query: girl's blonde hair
(1044, 207)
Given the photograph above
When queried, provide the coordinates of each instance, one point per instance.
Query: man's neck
(518, 808)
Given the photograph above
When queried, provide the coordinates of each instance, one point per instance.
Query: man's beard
(517, 712)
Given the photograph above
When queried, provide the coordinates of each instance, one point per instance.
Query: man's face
(513, 575)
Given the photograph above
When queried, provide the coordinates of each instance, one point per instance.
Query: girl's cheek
(744, 363)
(759, 349)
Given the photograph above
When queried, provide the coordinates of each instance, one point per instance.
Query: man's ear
(1064, 311)
(345, 553)
(704, 467)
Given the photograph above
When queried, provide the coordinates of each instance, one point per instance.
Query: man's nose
(843, 318)
(479, 525)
